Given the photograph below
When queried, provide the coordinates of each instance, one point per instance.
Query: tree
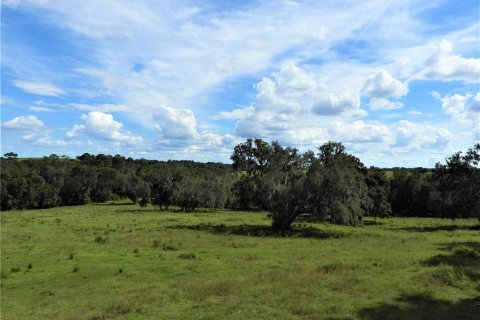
(458, 183)
(103, 188)
(336, 187)
(161, 189)
(274, 176)
(187, 192)
(378, 190)
(11, 155)
(77, 185)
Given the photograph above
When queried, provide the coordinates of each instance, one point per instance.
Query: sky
(397, 82)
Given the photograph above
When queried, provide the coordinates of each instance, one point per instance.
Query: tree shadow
(465, 255)
(418, 306)
(138, 211)
(113, 203)
(262, 231)
(440, 228)
(373, 223)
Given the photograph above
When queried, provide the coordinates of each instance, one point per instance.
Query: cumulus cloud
(328, 103)
(174, 123)
(23, 123)
(36, 132)
(294, 89)
(454, 104)
(294, 106)
(461, 107)
(411, 136)
(102, 126)
(446, 66)
(39, 88)
(384, 85)
(360, 132)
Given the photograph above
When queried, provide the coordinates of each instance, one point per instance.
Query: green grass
(125, 262)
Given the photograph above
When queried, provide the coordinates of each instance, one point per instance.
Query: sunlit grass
(126, 262)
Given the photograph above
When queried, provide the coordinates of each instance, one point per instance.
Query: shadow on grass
(440, 228)
(113, 203)
(138, 211)
(262, 231)
(373, 223)
(416, 307)
(465, 255)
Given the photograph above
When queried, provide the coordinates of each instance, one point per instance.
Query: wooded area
(329, 184)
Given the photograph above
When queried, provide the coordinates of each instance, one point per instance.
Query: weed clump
(101, 240)
(169, 247)
(76, 269)
(29, 266)
(136, 251)
(187, 256)
(15, 269)
(336, 268)
(448, 275)
(156, 244)
(72, 255)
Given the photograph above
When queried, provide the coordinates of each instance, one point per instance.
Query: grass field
(118, 261)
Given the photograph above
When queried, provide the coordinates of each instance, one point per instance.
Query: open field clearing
(119, 261)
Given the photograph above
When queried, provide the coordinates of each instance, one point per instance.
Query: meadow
(120, 261)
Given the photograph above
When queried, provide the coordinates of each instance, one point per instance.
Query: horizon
(396, 83)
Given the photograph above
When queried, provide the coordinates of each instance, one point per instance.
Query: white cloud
(174, 123)
(454, 105)
(411, 136)
(104, 107)
(294, 106)
(42, 139)
(102, 126)
(235, 114)
(334, 103)
(383, 85)
(36, 132)
(446, 66)
(294, 89)
(384, 104)
(77, 130)
(23, 123)
(414, 113)
(463, 108)
(360, 132)
(39, 88)
(475, 106)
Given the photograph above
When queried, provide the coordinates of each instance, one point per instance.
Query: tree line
(329, 184)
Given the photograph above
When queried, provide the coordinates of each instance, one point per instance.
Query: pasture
(119, 261)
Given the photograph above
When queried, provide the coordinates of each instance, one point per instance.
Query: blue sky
(396, 81)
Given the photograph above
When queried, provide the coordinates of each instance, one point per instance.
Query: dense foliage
(328, 185)
(54, 181)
